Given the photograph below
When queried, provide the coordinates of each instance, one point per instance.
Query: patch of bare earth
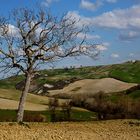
(104, 130)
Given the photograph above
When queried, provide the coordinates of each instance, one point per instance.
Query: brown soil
(104, 130)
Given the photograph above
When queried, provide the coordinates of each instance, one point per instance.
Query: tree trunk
(20, 112)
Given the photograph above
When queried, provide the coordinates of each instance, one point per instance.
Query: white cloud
(47, 3)
(88, 36)
(119, 19)
(13, 31)
(111, 1)
(81, 20)
(115, 55)
(86, 4)
(101, 47)
(129, 35)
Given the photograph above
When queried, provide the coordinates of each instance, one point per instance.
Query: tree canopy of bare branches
(30, 39)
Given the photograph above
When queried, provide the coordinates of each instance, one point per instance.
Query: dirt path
(105, 130)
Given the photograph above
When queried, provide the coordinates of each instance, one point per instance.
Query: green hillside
(127, 72)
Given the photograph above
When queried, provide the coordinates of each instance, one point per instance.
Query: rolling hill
(73, 81)
(119, 80)
(92, 86)
(127, 72)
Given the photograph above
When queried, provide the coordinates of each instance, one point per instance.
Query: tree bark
(20, 112)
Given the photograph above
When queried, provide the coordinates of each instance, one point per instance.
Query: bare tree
(30, 39)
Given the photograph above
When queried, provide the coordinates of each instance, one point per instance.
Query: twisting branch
(37, 38)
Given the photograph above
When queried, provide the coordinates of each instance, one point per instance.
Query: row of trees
(106, 108)
(29, 39)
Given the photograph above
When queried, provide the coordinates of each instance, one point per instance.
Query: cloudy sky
(114, 24)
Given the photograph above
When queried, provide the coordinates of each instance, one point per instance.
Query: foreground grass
(103, 130)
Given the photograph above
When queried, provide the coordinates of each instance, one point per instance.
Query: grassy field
(13, 94)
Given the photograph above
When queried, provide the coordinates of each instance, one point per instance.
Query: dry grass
(12, 94)
(9, 99)
(105, 130)
(11, 104)
(93, 86)
(15, 95)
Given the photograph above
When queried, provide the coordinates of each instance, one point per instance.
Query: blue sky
(116, 25)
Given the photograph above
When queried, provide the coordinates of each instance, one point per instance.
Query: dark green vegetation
(45, 116)
(135, 94)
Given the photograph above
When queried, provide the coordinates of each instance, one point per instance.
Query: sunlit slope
(93, 86)
(12, 104)
(15, 95)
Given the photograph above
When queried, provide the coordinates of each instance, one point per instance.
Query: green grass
(10, 115)
(9, 83)
(7, 115)
(82, 115)
(128, 72)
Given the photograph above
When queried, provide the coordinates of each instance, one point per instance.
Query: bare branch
(40, 38)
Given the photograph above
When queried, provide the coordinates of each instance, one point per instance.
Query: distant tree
(29, 39)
